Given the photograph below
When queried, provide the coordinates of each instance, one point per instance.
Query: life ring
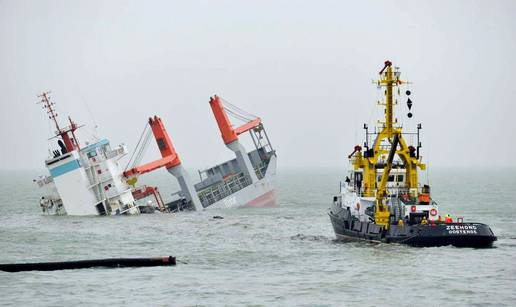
(358, 206)
(433, 212)
(413, 208)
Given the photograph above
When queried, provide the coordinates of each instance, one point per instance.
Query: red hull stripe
(266, 200)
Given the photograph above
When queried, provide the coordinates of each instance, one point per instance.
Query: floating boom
(86, 264)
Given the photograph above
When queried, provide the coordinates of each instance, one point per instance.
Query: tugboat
(382, 200)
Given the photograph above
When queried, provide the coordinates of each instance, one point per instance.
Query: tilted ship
(83, 180)
(382, 199)
(245, 181)
(89, 180)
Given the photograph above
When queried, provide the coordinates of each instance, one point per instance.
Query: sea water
(281, 256)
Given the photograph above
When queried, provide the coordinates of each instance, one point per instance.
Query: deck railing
(390, 191)
(223, 189)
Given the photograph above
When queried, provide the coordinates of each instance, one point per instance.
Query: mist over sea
(271, 257)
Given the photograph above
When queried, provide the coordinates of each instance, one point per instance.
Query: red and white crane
(170, 160)
(230, 135)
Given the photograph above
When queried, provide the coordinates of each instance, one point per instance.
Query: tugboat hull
(457, 234)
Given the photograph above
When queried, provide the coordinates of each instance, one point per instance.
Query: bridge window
(92, 154)
(390, 179)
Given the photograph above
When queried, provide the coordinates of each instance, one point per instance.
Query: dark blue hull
(457, 234)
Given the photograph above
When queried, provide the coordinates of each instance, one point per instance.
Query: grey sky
(304, 67)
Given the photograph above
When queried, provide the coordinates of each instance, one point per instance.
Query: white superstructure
(83, 181)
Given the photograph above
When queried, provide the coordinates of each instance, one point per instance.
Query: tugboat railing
(391, 191)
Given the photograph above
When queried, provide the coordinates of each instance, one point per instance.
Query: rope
(238, 109)
(238, 116)
(138, 144)
(143, 149)
(237, 112)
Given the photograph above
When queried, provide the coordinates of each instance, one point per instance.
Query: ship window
(358, 176)
(391, 178)
(400, 178)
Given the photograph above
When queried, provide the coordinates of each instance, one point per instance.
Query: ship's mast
(70, 143)
(49, 106)
(388, 80)
(389, 134)
(393, 136)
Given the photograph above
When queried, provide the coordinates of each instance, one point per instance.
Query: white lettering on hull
(461, 229)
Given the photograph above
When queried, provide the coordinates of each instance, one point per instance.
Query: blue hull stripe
(65, 168)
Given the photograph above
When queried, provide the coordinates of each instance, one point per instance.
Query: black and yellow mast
(386, 143)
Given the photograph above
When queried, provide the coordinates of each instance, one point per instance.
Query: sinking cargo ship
(88, 180)
(382, 200)
(83, 180)
(246, 180)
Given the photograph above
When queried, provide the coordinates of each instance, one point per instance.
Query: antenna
(70, 142)
(427, 171)
(49, 107)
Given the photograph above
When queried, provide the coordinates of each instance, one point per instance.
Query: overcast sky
(305, 67)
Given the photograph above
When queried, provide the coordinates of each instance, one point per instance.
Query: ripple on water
(273, 256)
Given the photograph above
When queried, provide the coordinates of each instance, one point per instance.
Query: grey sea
(283, 256)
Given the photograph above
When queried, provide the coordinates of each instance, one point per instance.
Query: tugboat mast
(374, 159)
(388, 81)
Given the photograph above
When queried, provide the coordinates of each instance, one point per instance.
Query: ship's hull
(456, 234)
(259, 194)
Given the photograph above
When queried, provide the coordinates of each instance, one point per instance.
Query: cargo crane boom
(230, 134)
(170, 160)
